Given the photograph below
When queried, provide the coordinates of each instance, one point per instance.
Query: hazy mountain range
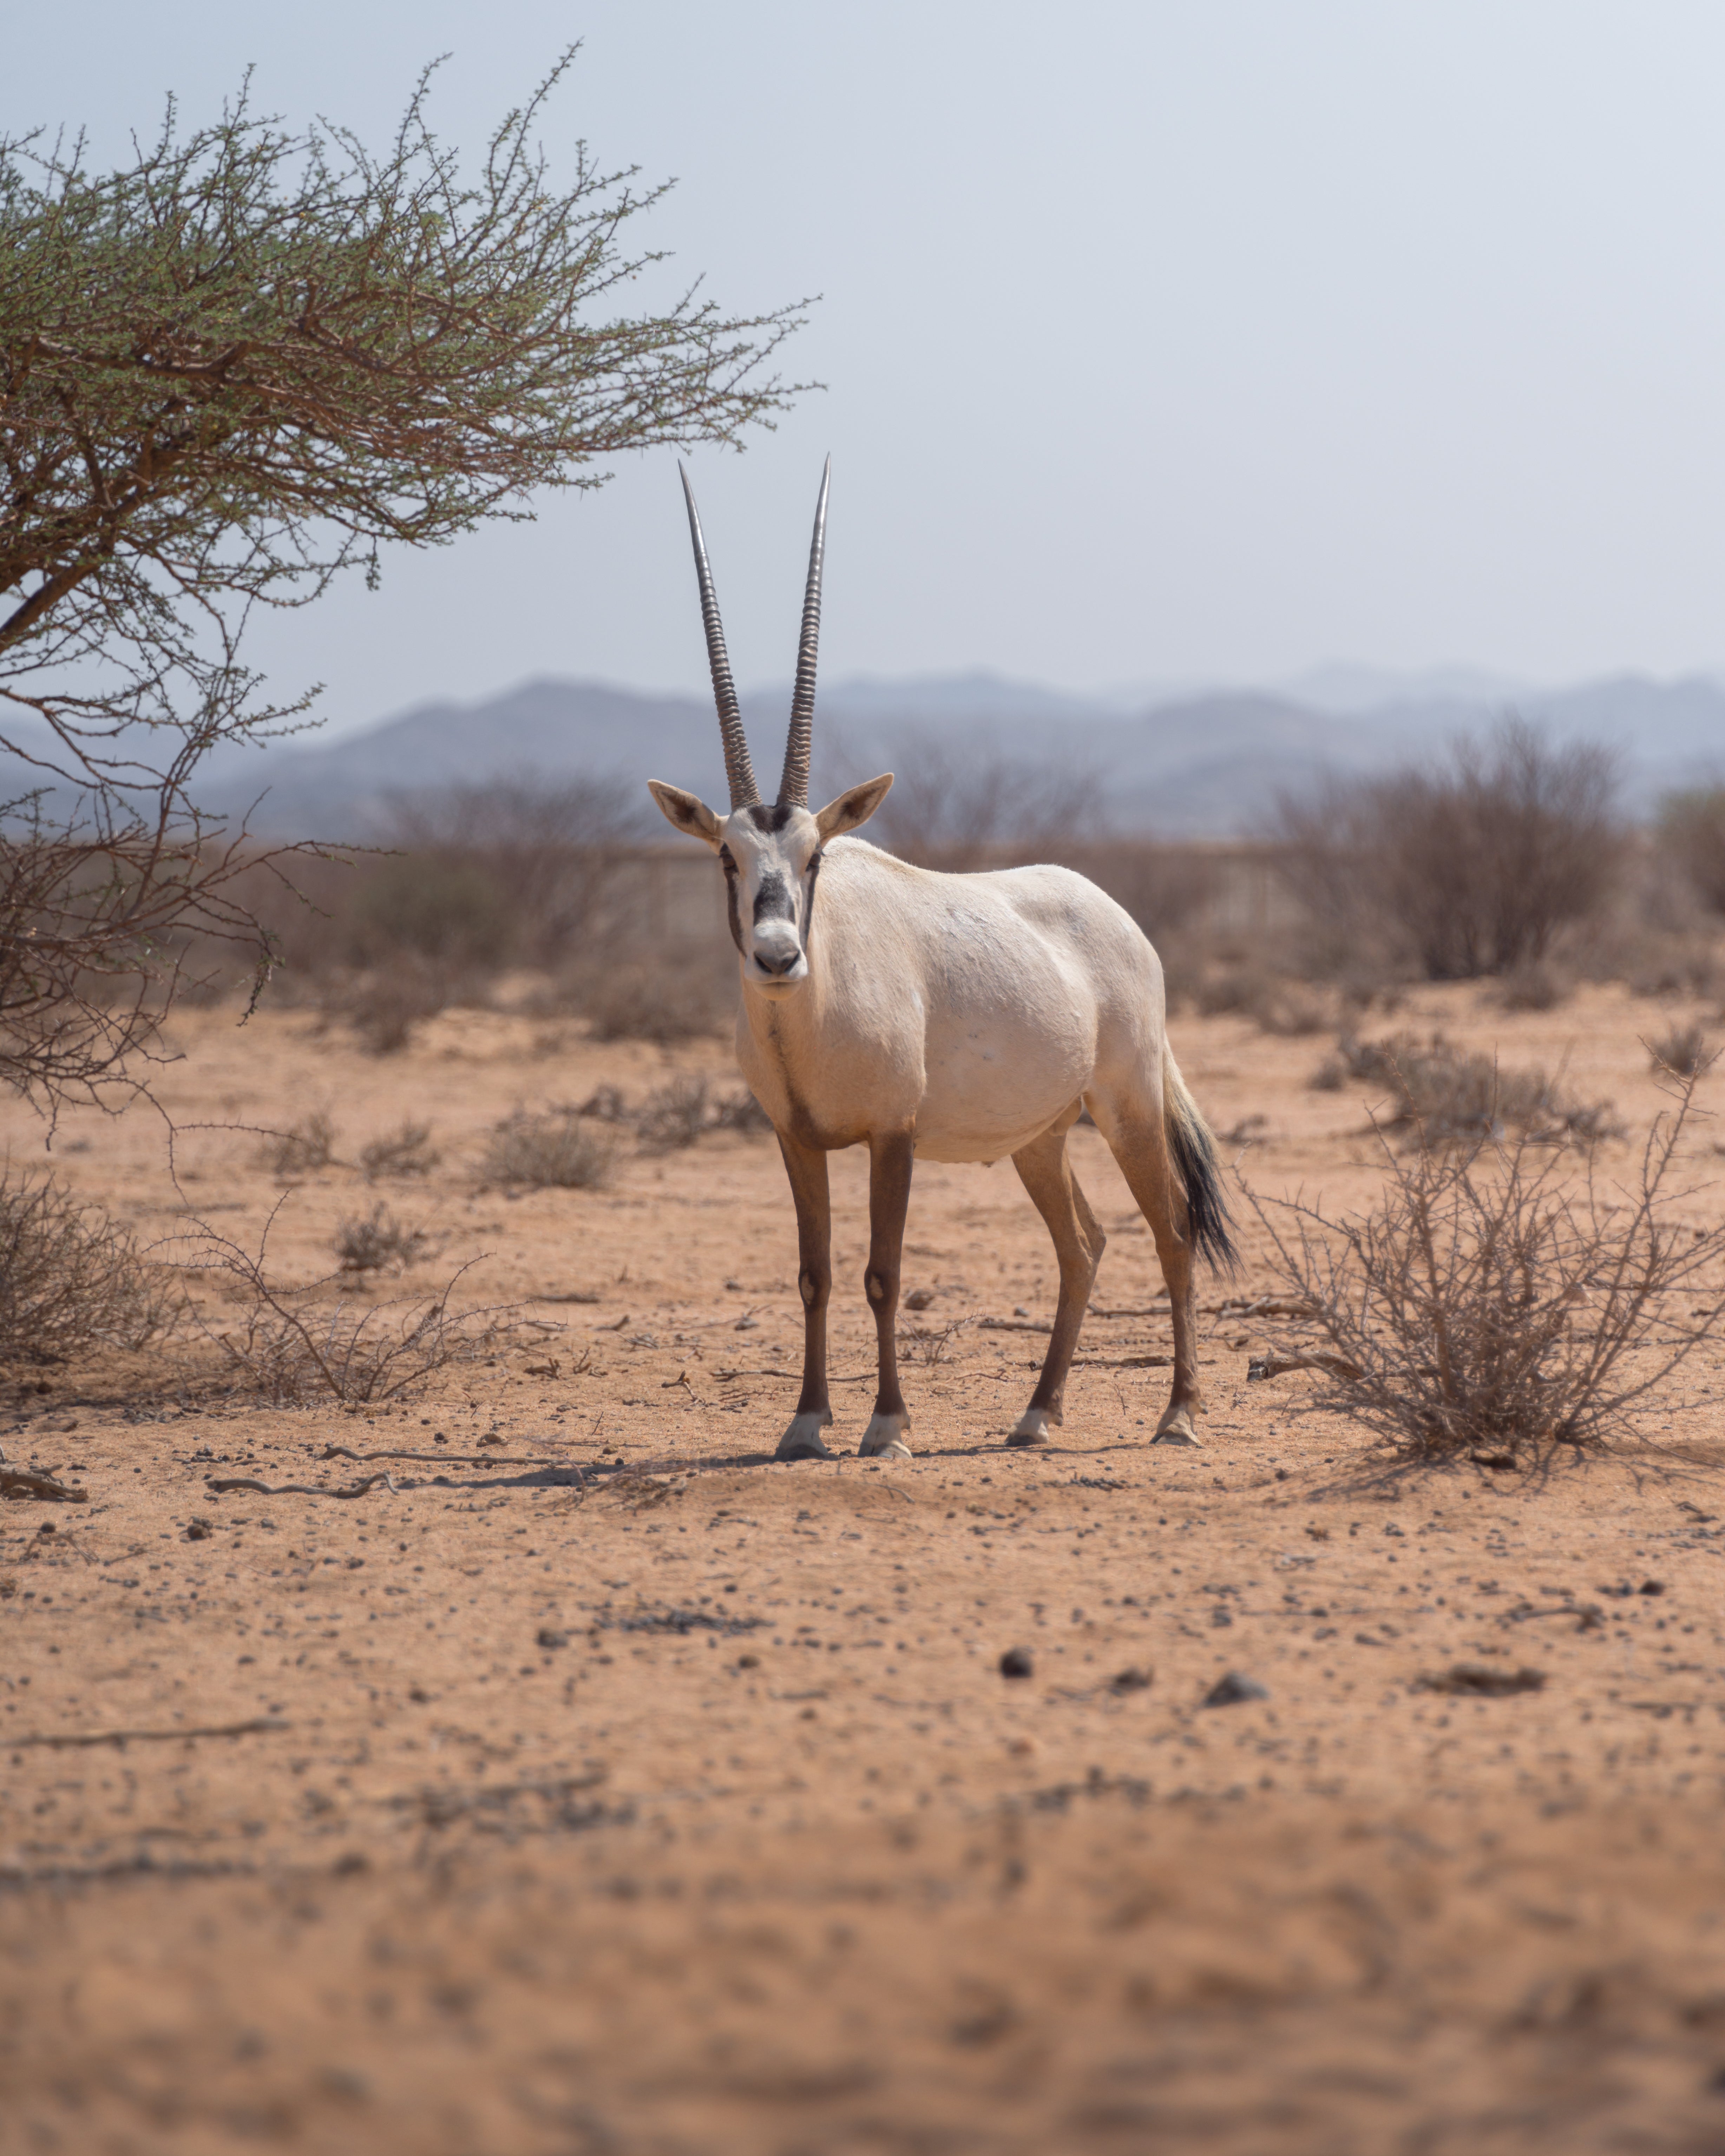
(1192, 761)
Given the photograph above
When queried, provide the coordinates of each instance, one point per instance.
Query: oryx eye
(726, 861)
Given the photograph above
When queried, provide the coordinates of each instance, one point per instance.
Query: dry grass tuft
(1493, 1305)
(378, 1242)
(309, 1145)
(1445, 1096)
(674, 1116)
(645, 1003)
(408, 1152)
(1685, 1051)
(291, 1345)
(70, 1279)
(555, 1151)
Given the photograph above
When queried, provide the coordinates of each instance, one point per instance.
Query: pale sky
(1207, 341)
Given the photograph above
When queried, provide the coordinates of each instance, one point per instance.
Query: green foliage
(228, 372)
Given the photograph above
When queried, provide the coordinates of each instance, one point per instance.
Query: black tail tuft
(1194, 1152)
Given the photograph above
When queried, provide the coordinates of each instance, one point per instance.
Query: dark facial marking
(769, 818)
(809, 904)
(727, 862)
(773, 901)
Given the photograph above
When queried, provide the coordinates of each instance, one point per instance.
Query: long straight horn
(794, 786)
(738, 770)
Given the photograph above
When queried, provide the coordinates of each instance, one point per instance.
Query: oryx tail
(1194, 1154)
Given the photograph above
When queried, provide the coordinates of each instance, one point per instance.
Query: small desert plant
(383, 1007)
(70, 1278)
(1685, 1051)
(377, 1242)
(1492, 1304)
(551, 1152)
(1448, 1096)
(309, 1145)
(408, 1152)
(292, 1344)
(658, 1004)
(1468, 866)
(674, 1116)
(739, 1110)
(1537, 985)
(1693, 831)
(930, 1344)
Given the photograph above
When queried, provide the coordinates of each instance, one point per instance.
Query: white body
(973, 1011)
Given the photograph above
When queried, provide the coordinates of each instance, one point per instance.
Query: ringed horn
(794, 786)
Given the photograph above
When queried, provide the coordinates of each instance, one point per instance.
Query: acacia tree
(227, 373)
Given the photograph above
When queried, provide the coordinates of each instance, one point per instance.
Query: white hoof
(1032, 1427)
(884, 1439)
(802, 1440)
(1175, 1428)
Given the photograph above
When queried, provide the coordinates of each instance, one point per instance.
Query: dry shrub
(70, 1279)
(676, 1115)
(977, 810)
(1445, 1096)
(1685, 1051)
(664, 1005)
(739, 1110)
(1469, 868)
(309, 1145)
(1492, 1305)
(383, 1007)
(406, 1151)
(553, 1151)
(377, 1242)
(292, 1344)
(1535, 986)
(1691, 830)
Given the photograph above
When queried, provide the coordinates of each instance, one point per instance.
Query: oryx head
(771, 856)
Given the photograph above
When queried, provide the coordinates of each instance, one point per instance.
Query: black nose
(770, 962)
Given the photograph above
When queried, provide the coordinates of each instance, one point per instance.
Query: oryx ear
(852, 807)
(687, 811)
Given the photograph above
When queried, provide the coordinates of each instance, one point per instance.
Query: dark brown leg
(890, 1158)
(1046, 1173)
(1141, 1147)
(807, 1168)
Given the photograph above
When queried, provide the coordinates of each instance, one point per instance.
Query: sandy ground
(606, 1787)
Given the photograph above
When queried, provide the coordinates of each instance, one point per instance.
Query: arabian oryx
(959, 1017)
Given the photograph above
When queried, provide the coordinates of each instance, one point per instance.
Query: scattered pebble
(1017, 1662)
(1234, 1691)
(549, 1636)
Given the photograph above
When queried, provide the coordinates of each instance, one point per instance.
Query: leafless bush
(739, 1110)
(532, 858)
(674, 1116)
(1691, 829)
(1444, 1096)
(408, 1152)
(678, 1114)
(665, 1005)
(976, 810)
(383, 1007)
(1685, 1051)
(1471, 868)
(550, 1151)
(930, 1345)
(1492, 1304)
(70, 1278)
(1535, 986)
(377, 1242)
(289, 1345)
(309, 1145)
(108, 913)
